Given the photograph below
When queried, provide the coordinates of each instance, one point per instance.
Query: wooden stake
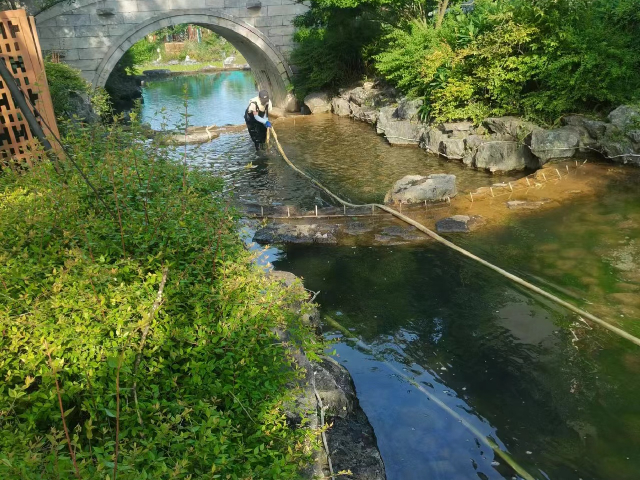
(288, 212)
(491, 188)
(510, 187)
(316, 210)
(471, 195)
(528, 182)
(558, 172)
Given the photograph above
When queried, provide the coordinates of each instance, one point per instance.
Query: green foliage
(536, 59)
(331, 42)
(63, 79)
(202, 394)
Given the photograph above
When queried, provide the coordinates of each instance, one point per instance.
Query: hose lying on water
(466, 253)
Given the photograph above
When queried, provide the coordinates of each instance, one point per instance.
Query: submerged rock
(417, 188)
(525, 205)
(302, 234)
(557, 143)
(399, 236)
(318, 102)
(459, 224)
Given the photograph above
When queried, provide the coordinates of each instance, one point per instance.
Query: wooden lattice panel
(20, 51)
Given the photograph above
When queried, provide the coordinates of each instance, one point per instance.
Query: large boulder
(81, 108)
(625, 117)
(398, 132)
(557, 143)
(318, 102)
(362, 96)
(408, 109)
(595, 128)
(471, 144)
(452, 148)
(417, 189)
(340, 107)
(504, 156)
(431, 140)
(620, 150)
(291, 104)
(514, 127)
(364, 114)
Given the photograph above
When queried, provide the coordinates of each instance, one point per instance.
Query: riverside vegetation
(138, 338)
(474, 59)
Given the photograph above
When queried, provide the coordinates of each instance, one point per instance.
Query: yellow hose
(464, 252)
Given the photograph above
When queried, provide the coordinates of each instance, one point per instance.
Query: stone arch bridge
(92, 35)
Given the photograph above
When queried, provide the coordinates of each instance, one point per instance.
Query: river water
(560, 396)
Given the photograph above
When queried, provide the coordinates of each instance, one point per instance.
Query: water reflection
(494, 353)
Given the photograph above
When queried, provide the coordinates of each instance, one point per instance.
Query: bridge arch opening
(268, 65)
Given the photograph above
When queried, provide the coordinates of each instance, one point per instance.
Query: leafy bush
(62, 80)
(331, 45)
(185, 381)
(537, 59)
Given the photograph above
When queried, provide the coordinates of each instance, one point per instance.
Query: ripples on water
(562, 398)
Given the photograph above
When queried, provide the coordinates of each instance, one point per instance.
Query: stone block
(73, 20)
(269, 21)
(214, 3)
(55, 32)
(90, 31)
(117, 19)
(340, 107)
(135, 17)
(504, 156)
(122, 5)
(289, 10)
(318, 102)
(91, 53)
(286, 30)
(85, 42)
(119, 30)
(556, 143)
(417, 189)
(452, 148)
(86, 65)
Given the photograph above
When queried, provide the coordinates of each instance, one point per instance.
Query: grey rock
(504, 156)
(408, 109)
(291, 104)
(416, 188)
(301, 234)
(557, 143)
(318, 102)
(173, 62)
(458, 224)
(159, 72)
(287, 278)
(524, 205)
(634, 136)
(368, 85)
(595, 128)
(80, 107)
(620, 150)
(399, 236)
(625, 117)
(457, 127)
(398, 132)
(364, 114)
(340, 107)
(362, 96)
(352, 441)
(471, 144)
(357, 228)
(515, 127)
(453, 148)
(431, 140)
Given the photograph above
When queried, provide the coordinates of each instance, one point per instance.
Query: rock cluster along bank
(498, 144)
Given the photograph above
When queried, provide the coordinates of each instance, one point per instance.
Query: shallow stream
(561, 396)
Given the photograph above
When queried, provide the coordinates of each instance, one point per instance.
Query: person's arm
(263, 120)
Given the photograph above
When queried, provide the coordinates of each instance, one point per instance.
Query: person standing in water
(257, 118)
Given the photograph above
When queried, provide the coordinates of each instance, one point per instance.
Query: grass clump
(142, 318)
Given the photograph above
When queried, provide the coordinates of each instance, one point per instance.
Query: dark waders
(257, 130)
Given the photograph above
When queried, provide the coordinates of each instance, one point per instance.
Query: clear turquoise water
(560, 397)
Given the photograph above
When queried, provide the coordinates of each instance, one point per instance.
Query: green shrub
(63, 79)
(189, 384)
